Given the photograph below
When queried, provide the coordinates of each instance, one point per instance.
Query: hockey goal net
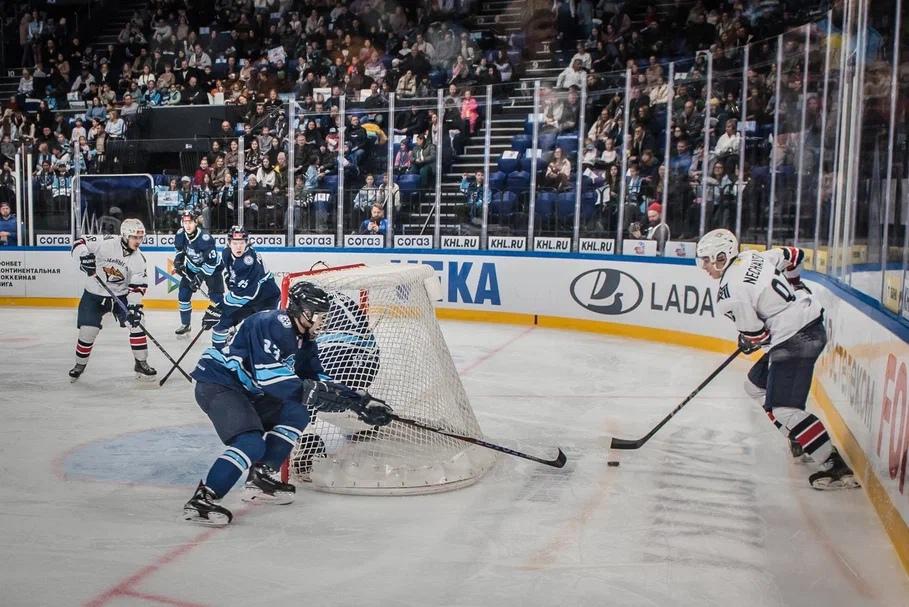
(381, 335)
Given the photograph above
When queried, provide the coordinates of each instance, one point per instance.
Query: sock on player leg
(186, 312)
(139, 343)
(804, 428)
(279, 442)
(84, 343)
(243, 451)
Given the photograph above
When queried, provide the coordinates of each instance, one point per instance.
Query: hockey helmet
(714, 243)
(132, 227)
(238, 233)
(192, 214)
(307, 300)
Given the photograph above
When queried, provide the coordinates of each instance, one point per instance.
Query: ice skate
(203, 509)
(144, 372)
(182, 332)
(263, 487)
(76, 372)
(835, 475)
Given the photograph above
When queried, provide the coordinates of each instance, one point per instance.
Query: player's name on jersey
(645, 248)
(555, 244)
(461, 242)
(422, 241)
(597, 245)
(315, 240)
(507, 243)
(364, 241)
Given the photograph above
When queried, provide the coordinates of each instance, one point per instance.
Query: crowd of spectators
(76, 97)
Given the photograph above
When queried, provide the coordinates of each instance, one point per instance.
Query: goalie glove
(752, 342)
(212, 317)
(87, 264)
(134, 315)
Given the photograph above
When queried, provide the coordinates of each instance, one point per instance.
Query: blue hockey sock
(219, 338)
(278, 444)
(186, 312)
(243, 451)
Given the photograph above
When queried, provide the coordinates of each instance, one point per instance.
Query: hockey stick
(558, 462)
(182, 356)
(622, 443)
(141, 326)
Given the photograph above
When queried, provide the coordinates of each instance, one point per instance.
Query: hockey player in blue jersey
(250, 287)
(198, 262)
(258, 393)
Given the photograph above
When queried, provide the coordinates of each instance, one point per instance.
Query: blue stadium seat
(588, 205)
(520, 142)
(545, 205)
(565, 205)
(518, 182)
(568, 143)
(497, 181)
(508, 165)
(329, 182)
(409, 182)
(509, 203)
(547, 141)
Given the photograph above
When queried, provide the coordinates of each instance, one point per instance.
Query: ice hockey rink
(712, 511)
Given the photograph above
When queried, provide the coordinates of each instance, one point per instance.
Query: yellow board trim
(895, 527)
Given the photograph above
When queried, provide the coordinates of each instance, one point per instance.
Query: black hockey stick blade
(182, 356)
(557, 462)
(623, 443)
(141, 326)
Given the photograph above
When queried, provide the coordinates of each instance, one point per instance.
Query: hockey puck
(613, 464)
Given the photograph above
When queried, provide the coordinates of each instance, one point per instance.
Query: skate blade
(826, 484)
(182, 336)
(257, 496)
(147, 381)
(214, 519)
(73, 380)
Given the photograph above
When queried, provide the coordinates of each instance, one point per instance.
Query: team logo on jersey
(248, 260)
(724, 293)
(607, 291)
(113, 274)
(206, 237)
(284, 320)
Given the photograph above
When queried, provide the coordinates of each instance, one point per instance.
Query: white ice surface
(710, 512)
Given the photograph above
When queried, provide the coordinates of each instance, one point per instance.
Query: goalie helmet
(715, 242)
(307, 300)
(132, 227)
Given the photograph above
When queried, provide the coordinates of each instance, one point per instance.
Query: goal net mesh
(381, 335)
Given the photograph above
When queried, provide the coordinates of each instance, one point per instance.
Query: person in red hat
(656, 228)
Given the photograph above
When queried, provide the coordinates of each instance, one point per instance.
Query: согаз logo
(607, 291)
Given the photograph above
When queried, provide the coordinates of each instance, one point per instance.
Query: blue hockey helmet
(238, 233)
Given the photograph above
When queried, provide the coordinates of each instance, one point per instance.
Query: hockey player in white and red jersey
(762, 293)
(123, 269)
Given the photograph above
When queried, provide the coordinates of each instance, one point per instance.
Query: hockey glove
(180, 263)
(134, 315)
(212, 317)
(373, 412)
(752, 342)
(195, 280)
(87, 264)
(795, 281)
(329, 397)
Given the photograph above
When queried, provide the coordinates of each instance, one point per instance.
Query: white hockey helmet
(715, 242)
(132, 227)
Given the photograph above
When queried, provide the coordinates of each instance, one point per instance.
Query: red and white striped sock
(139, 344)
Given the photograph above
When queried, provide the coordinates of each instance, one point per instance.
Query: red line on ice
(495, 351)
